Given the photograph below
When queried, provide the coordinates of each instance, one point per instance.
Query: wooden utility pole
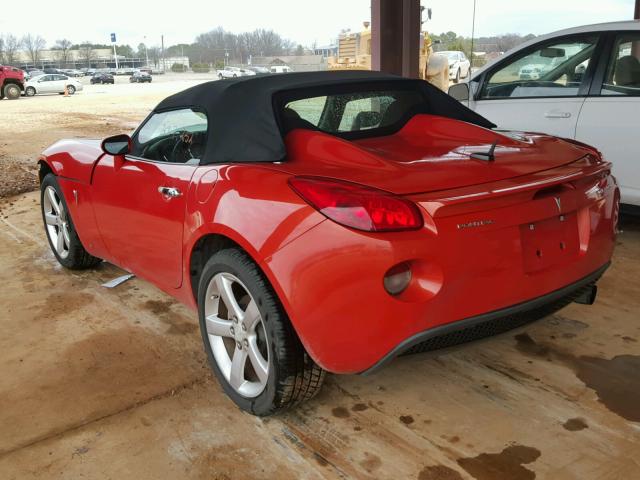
(637, 12)
(395, 36)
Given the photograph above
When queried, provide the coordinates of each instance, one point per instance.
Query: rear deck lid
(429, 154)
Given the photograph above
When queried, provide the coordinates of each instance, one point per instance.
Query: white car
(589, 91)
(233, 72)
(459, 65)
(51, 83)
(531, 72)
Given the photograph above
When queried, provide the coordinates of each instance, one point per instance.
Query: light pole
(473, 33)
(146, 52)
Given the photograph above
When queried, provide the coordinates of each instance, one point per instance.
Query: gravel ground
(29, 125)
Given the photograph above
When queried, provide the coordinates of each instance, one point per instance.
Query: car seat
(627, 73)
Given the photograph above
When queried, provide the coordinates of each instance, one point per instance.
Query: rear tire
(12, 91)
(61, 233)
(289, 375)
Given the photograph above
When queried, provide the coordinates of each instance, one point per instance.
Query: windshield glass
(175, 121)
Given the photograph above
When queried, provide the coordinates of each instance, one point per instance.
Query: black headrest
(627, 71)
(292, 120)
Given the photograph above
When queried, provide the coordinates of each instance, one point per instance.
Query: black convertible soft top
(242, 121)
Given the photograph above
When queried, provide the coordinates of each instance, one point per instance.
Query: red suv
(11, 82)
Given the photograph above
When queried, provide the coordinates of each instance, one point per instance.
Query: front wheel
(61, 233)
(250, 342)
(30, 92)
(71, 89)
(457, 79)
(12, 91)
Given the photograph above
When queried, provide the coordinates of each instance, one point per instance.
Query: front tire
(457, 79)
(61, 233)
(250, 342)
(12, 91)
(71, 89)
(30, 92)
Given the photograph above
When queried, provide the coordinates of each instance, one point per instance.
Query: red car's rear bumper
(472, 257)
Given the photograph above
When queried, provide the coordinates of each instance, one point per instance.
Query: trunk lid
(429, 154)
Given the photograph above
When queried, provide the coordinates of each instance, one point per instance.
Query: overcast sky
(299, 20)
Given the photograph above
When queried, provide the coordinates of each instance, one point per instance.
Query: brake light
(357, 206)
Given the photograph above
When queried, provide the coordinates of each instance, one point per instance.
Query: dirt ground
(113, 384)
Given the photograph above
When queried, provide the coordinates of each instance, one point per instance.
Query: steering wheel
(182, 145)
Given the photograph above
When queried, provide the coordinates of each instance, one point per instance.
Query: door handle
(556, 114)
(169, 192)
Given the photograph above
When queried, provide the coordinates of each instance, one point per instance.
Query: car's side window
(556, 69)
(623, 72)
(176, 136)
(308, 109)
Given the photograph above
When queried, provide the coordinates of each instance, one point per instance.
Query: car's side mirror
(460, 91)
(117, 145)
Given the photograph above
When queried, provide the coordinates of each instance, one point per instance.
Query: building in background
(326, 51)
(168, 62)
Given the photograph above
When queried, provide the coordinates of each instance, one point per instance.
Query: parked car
(531, 72)
(52, 71)
(140, 77)
(230, 72)
(459, 65)
(587, 89)
(102, 78)
(53, 83)
(261, 70)
(35, 73)
(334, 187)
(74, 73)
(12, 82)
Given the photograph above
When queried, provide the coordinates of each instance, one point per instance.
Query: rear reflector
(357, 206)
(397, 279)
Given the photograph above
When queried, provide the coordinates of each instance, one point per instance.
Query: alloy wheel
(237, 334)
(57, 223)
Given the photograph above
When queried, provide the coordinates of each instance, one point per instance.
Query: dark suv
(102, 78)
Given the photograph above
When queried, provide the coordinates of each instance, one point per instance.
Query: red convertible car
(332, 221)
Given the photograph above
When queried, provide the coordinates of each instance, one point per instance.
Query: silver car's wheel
(237, 335)
(56, 221)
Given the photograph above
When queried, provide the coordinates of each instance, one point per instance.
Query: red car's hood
(430, 153)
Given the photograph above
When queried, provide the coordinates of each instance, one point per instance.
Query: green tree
(125, 51)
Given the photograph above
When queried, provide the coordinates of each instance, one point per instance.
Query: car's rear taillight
(357, 206)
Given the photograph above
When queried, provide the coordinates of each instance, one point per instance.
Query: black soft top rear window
(351, 111)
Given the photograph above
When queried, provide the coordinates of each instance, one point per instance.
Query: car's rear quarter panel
(332, 277)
